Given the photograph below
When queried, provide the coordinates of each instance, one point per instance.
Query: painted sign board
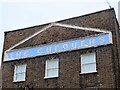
(63, 46)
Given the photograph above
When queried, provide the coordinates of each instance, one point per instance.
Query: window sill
(19, 81)
(51, 77)
(89, 72)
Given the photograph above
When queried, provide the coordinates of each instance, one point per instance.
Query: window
(19, 73)
(51, 68)
(88, 63)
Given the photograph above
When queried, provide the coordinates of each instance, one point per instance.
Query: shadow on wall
(119, 13)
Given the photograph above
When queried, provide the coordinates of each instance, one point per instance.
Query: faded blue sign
(63, 46)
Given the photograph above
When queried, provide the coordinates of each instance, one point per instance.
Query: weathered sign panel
(63, 46)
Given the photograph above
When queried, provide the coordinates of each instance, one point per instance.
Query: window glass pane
(52, 64)
(20, 68)
(89, 67)
(92, 57)
(23, 76)
(20, 76)
(23, 68)
(88, 58)
(52, 72)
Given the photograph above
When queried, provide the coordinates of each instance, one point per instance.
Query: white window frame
(46, 69)
(14, 78)
(83, 72)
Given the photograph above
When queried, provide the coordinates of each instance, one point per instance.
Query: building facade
(80, 52)
(119, 13)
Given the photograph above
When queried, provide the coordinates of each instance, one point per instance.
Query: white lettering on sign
(68, 45)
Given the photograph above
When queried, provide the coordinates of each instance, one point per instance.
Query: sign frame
(96, 35)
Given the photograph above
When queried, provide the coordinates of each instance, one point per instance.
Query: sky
(16, 14)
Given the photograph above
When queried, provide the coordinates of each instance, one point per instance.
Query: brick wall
(69, 74)
(70, 77)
